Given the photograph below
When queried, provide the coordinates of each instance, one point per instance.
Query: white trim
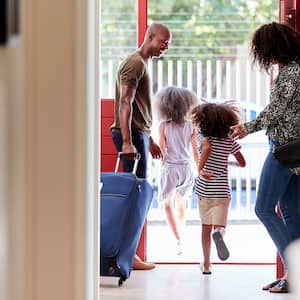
(87, 158)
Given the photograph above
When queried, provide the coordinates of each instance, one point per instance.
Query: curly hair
(274, 42)
(174, 103)
(215, 119)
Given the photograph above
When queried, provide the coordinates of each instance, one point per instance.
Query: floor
(177, 282)
(242, 241)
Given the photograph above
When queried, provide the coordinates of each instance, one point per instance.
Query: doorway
(210, 57)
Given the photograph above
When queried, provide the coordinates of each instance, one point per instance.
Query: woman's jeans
(141, 142)
(279, 186)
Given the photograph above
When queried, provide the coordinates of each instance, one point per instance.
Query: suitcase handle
(130, 156)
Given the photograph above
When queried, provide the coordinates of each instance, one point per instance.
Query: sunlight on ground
(246, 243)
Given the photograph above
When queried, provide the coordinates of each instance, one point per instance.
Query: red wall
(108, 153)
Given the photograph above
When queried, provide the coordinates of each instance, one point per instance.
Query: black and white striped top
(217, 163)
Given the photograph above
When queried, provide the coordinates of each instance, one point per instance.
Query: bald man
(131, 130)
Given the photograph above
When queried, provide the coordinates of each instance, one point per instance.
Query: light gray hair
(174, 103)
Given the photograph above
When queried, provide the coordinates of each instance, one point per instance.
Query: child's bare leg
(171, 219)
(180, 202)
(180, 205)
(206, 246)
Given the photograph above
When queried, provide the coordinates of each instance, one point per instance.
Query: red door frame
(142, 20)
(142, 27)
(108, 152)
(289, 13)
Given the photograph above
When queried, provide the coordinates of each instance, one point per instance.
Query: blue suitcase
(124, 204)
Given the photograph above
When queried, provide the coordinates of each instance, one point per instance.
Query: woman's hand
(239, 131)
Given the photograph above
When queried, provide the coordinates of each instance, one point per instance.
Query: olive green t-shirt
(133, 71)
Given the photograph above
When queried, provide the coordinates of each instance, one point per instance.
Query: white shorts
(213, 211)
(179, 178)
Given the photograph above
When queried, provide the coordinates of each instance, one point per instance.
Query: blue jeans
(279, 186)
(141, 142)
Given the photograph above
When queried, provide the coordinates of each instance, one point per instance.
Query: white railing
(211, 79)
(214, 80)
(244, 182)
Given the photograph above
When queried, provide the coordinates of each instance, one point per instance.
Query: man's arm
(125, 115)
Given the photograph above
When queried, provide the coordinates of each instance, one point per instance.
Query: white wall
(49, 155)
(293, 258)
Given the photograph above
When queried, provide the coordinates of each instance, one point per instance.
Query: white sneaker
(179, 248)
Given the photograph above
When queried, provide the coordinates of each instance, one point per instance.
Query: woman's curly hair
(275, 43)
(215, 119)
(174, 103)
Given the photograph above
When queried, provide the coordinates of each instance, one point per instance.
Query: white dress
(177, 172)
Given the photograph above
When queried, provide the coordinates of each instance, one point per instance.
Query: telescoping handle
(132, 156)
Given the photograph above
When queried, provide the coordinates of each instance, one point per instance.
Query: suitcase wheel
(121, 280)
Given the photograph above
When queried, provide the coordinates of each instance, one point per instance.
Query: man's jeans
(141, 142)
(278, 185)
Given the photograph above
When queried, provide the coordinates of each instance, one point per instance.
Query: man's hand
(128, 148)
(155, 149)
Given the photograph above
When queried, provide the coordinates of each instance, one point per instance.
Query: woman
(278, 44)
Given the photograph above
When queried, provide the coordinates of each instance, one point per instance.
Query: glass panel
(209, 54)
(209, 30)
(118, 29)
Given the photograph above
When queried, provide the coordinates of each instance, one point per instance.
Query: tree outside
(201, 30)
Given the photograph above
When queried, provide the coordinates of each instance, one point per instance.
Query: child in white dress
(175, 138)
(212, 122)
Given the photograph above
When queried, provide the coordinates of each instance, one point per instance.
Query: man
(132, 113)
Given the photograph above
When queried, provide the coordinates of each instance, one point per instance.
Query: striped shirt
(217, 163)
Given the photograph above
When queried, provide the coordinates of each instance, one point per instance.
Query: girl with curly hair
(213, 122)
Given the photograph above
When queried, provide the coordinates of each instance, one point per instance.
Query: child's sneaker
(179, 248)
(222, 250)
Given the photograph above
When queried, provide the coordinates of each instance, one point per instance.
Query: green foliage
(211, 27)
(200, 28)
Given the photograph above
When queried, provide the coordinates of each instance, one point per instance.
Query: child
(213, 122)
(175, 136)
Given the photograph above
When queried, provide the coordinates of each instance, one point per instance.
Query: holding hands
(239, 131)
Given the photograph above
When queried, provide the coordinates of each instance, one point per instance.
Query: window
(118, 30)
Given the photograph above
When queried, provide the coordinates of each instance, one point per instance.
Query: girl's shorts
(175, 178)
(213, 211)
